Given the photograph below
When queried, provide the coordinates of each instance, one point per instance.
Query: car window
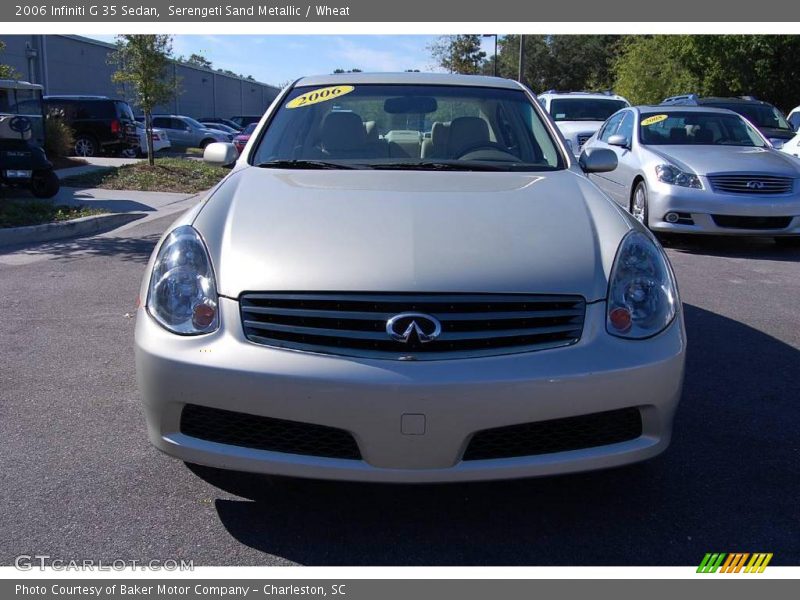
(794, 119)
(760, 115)
(698, 128)
(625, 128)
(94, 110)
(179, 124)
(124, 111)
(162, 122)
(610, 127)
(371, 125)
(584, 109)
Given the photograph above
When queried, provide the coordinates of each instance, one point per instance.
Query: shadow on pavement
(729, 482)
(732, 247)
(123, 248)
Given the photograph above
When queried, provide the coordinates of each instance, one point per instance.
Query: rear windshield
(697, 128)
(584, 109)
(760, 115)
(409, 126)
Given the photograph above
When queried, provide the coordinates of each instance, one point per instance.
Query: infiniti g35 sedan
(408, 278)
(690, 169)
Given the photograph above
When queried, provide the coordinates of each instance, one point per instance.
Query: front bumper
(698, 208)
(369, 397)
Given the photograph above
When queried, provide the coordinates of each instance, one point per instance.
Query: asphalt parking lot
(80, 480)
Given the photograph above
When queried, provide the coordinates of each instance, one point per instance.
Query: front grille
(557, 435)
(583, 138)
(734, 222)
(354, 324)
(265, 433)
(751, 184)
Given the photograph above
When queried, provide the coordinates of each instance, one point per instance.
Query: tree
(337, 71)
(459, 53)
(142, 61)
(198, 60)
(650, 68)
(7, 71)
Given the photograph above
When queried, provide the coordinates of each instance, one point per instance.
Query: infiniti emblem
(755, 185)
(407, 327)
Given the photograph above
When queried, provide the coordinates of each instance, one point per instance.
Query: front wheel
(639, 208)
(85, 146)
(45, 184)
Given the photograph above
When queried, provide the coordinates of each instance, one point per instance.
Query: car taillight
(115, 126)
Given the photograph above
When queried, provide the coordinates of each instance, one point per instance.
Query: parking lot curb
(75, 228)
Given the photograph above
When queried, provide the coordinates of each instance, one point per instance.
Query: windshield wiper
(302, 164)
(439, 166)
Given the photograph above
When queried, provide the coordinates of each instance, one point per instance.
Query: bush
(59, 138)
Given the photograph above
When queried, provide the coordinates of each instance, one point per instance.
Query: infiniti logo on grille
(407, 327)
(755, 185)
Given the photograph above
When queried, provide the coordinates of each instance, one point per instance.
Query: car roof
(666, 109)
(19, 85)
(591, 95)
(80, 98)
(409, 79)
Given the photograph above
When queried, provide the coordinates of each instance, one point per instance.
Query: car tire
(639, 207)
(792, 241)
(84, 146)
(205, 143)
(45, 184)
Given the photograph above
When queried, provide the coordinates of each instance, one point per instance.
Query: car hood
(369, 230)
(572, 128)
(705, 160)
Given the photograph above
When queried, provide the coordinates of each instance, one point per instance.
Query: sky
(276, 59)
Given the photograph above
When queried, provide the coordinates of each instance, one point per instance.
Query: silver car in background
(699, 170)
(461, 305)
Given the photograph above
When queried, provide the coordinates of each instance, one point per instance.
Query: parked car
(221, 127)
(794, 118)
(221, 121)
(768, 119)
(792, 147)
(101, 125)
(185, 132)
(240, 141)
(160, 139)
(23, 162)
(697, 169)
(345, 306)
(244, 121)
(580, 114)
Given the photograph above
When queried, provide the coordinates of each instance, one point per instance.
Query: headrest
(343, 131)
(677, 134)
(372, 131)
(466, 132)
(439, 134)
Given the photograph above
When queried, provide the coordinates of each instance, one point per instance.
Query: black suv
(768, 119)
(101, 125)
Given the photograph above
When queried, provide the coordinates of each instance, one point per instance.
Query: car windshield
(584, 109)
(760, 115)
(249, 129)
(408, 127)
(697, 128)
(194, 123)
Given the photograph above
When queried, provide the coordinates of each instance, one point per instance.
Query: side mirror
(597, 160)
(619, 140)
(220, 154)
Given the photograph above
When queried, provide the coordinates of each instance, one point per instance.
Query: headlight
(642, 295)
(183, 293)
(673, 175)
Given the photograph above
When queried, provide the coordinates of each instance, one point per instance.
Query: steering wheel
(20, 124)
(486, 146)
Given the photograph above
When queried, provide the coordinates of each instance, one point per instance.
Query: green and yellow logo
(734, 562)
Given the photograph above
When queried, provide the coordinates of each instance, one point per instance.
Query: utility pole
(494, 35)
(521, 59)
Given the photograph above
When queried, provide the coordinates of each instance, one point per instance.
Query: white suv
(794, 118)
(580, 114)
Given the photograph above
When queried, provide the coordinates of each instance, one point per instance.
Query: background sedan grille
(354, 324)
(583, 138)
(751, 184)
(556, 435)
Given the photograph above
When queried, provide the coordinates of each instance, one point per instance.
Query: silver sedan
(699, 170)
(451, 300)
